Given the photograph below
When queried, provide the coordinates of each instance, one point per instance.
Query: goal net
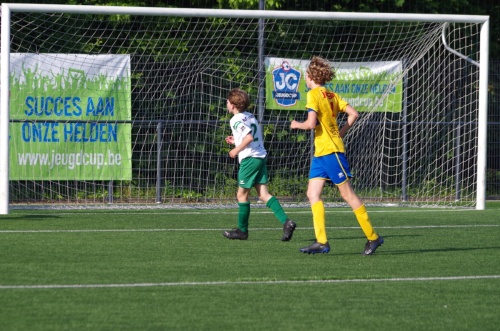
(126, 106)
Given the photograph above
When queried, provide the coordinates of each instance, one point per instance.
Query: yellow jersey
(327, 106)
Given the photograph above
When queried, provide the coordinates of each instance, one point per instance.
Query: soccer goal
(119, 106)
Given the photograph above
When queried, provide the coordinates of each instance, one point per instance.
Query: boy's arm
(352, 116)
(308, 124)
(246, 141)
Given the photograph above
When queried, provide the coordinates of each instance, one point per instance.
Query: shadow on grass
(330, 240)
(434, 250)
(28, 217)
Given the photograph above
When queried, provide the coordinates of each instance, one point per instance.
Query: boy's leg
(273, 203)
(314, 189)
(243, 215)
(318, 211)
(359, 210)
(288, 225)
(278, 211)
(374, 240)
(261, 180)
(243, 208)
(364, 223)
(241, 232)
(321, 245)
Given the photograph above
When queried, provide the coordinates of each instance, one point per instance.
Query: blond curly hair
(320, 71)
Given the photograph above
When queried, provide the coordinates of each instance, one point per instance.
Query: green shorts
(252, 171)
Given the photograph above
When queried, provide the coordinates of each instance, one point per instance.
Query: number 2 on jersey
(254, 131)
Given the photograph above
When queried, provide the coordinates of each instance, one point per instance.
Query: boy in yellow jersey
(249, 149)
(329, 161)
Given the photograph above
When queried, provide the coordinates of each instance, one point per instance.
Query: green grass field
(173, 270)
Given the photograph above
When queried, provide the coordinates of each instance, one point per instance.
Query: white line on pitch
(253, 229)
(258, 210)
(257, 282)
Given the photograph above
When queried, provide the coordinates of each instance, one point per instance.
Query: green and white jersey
(245, 123)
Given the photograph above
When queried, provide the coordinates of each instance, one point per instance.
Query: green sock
(278, 211)
(243, 215)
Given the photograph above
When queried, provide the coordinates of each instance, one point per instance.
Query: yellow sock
(318, 211)
(364, 222)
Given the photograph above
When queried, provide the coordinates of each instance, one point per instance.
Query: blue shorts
(332, 167)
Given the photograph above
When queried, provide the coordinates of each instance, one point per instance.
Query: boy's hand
(230, 140)
(294, 124)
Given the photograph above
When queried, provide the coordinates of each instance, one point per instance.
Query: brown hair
(239, 99)
(320, 71)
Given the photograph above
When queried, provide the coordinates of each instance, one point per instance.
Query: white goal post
(108, 105)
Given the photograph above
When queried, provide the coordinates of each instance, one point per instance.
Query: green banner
(367, 86)
(67, 113)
